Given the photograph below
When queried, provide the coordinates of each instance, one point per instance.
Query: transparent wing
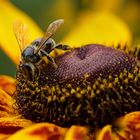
(21, 34)
(51, 30)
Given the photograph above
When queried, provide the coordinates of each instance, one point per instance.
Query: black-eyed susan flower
(103, 28)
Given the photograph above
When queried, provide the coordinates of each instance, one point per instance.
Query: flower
(102, 28)
(126, 128)
(90, 27)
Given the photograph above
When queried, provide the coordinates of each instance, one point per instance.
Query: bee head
(29, 55)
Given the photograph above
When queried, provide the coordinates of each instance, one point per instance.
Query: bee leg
(63, 47)
(49, 58)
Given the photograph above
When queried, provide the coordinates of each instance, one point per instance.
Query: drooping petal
(102, 28)
(105, 133)
(8, 14)
(10, 125)
(76, 133)
(40, 131)
(129, 126)
(4, 136)
(7, 84)
(6, 104)
(124, 128)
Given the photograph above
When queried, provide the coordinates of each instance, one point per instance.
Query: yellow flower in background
(91, 27)
(101, 28)
(8, 14)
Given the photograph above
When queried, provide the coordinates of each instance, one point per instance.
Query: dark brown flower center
(92, 85)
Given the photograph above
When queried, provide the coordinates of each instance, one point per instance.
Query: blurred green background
(45, 11)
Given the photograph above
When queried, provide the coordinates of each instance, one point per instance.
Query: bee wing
(51, 30)
(21, 34)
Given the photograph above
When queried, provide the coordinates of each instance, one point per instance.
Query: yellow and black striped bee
(32, 54)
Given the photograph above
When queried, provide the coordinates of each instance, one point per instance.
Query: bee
(32, 54)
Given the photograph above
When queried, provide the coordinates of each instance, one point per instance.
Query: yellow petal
(125, 128)
(7, 84)
(40, 131)
(3, 136)
(101, 28)
(8, 14)
(129, 126)
(105, 133)
(10, 125)
(76, 133)
(6, 104)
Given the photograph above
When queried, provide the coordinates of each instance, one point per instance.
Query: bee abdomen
(92, 85)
